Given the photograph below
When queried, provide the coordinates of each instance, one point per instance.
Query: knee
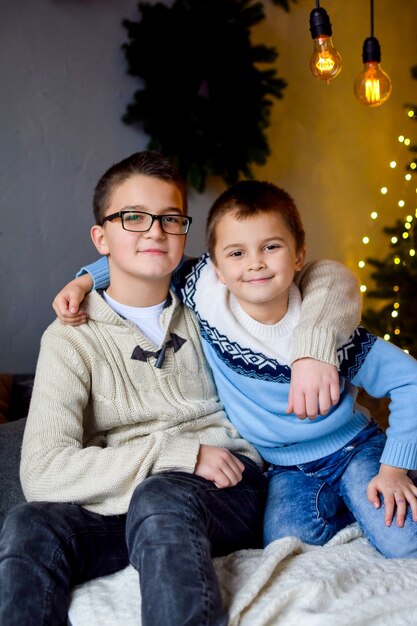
(315, 532)
(284, 520)
(23, 520)
(314, 518)
(158, 494)
(397, 552)
(165, 510)
(162, 502)
(397, 545)
(24, 531)
(404, 552)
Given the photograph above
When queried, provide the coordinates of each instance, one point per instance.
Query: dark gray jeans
(175, 524)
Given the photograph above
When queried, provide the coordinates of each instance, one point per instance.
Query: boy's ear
(99, 239)
(299, 259)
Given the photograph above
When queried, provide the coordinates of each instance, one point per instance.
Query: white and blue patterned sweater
(252, 373)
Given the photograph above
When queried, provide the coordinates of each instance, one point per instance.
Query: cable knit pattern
(100, 422)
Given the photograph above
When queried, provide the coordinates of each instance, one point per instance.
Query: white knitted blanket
(345, 583)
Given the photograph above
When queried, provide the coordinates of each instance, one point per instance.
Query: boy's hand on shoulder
(398, 490)
(314, 388)
(67, 302)
(218, 465)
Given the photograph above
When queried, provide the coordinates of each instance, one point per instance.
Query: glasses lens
(140, 222)
(175, 224)
(137, 221)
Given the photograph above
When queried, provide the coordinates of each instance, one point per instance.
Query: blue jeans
(175, 524)
(313, 501)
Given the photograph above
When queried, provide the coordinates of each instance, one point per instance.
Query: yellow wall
(329, 151)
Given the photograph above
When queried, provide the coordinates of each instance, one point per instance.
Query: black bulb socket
(320, 23)
(371, 50)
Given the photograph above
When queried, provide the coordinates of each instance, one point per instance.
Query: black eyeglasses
(140, 222)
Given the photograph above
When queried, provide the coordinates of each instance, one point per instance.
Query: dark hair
(251, 197)
(146, 163)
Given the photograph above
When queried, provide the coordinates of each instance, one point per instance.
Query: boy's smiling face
(256, 258)
(141, 263)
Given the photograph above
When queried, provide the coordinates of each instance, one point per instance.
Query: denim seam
(52, 584)
(192, 520)
(57, 555)
(316, 501)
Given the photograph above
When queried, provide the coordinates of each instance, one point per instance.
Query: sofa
(15, 393)
(289, 583)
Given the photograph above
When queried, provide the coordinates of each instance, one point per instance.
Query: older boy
(127, 454)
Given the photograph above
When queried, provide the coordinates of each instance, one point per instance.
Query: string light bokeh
(406, 200)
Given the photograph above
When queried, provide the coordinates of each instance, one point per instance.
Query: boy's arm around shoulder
(67, 302)
(330, 312)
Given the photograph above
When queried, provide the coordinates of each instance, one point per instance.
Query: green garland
(203, 101)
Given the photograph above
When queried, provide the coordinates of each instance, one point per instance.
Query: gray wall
(64, 89)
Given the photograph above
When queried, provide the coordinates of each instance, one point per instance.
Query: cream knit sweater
(101, 421)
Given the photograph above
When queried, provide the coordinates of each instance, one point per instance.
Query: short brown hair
(147, 163)
(251, 197)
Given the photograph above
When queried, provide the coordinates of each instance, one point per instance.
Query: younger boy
(127, 454)
(248, 308)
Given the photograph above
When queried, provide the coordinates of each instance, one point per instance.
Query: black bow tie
(139, 354)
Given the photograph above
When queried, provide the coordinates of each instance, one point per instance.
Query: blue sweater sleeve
(99, 272)
(387, 371)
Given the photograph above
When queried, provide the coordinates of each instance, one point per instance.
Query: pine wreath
(203, 100)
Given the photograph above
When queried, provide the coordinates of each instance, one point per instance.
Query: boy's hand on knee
(67, 302)
(398, 490)
(314, 388)
(218, 465)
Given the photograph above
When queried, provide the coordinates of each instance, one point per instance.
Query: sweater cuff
(399, 454)
(99, 272)
(318, 343)
(178, 454)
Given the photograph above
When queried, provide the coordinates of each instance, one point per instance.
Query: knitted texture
(101, 421)
(331, 310)
(251, 368)
(248, 362)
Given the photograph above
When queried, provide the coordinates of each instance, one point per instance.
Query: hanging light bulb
(325, 62)
(372, 86)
